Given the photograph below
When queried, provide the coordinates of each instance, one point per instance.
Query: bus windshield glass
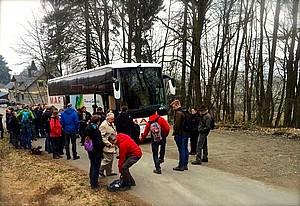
(142, 87)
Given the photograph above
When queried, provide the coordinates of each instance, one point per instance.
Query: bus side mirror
(116, 88)
(171, 82)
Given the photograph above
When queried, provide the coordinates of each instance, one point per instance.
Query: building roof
(24, 80)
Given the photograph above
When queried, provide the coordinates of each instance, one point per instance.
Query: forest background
(241, 58)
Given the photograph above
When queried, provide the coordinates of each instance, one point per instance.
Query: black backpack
(47, 126)
(187, 123)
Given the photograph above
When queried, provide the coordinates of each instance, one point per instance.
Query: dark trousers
(95, 161)
(155, 150)
(126, 176)
(70, 137)
(202, 150)
(55, 145)
(182, 146)
(15, 139)
(193, 141)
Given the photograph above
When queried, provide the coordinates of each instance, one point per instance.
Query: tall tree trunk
(87, 35)
(291, 78)
(184, 45)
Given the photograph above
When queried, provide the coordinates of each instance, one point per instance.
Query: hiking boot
(178, 168)
(68, 157)
(205, 160)
(196, 162)
(55, 157)
(157, 171)
(161, 160)
(76, 157)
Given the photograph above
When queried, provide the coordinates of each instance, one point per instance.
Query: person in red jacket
(55, 134)
(165, 129)
(129, 154)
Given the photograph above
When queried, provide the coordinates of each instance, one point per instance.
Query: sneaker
(186, 167)
(76, 157)
(68, 158)
(157, 171)
(178, 168)
(161, 160)
(55, 157)
(205, 160)
(102, 174)
(192, 153)
(196, 162)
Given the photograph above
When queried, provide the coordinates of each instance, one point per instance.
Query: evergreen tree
(4, 71)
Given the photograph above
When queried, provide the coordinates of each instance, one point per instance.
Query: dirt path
(271, 159)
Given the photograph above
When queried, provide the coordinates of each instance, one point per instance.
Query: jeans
(95, 160)
(155, 148)
(182, 145)
(48, 145)
(70, 136)
(126, 176)
(26, 135)
(202, 146)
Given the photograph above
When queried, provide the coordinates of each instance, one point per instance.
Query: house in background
(3, 92)
(28, 87)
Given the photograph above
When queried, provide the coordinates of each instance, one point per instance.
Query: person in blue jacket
(70, 124)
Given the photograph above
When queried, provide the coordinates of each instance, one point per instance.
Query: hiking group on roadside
(103, 137)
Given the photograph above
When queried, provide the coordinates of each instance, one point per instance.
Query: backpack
(115, 185)
(47, 126)
(155, 129)
(25, 117)
(88, 144)
(187, 123)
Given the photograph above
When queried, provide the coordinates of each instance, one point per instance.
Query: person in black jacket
(15, 128)
(194, 130)
(96, 155)
(204, 129)
(84, 119)
(45, 117)
(124, 122)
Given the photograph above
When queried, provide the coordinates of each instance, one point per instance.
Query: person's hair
(99, 109)
(124, 108)
(176, 102)
(83, 107)
(110, 115)
(95, 119)
(69, 105)
(112, 137)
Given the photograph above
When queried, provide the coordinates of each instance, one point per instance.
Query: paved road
(199, 185)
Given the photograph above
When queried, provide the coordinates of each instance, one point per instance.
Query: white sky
(14, 15)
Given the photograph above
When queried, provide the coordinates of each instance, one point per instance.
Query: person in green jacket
(26, 117)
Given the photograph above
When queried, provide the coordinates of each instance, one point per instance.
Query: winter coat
(178, 122)
(55, 127)
(69, 120)
(204, 124)
(45, 116)
(30, 115)
(124, 123)
(165, 127)
(93, 132)
(195, 122)
(83, 122)
(14, 125)
(127, 148)
(106, 130)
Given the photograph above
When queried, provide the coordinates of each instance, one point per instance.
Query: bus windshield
(142, 87)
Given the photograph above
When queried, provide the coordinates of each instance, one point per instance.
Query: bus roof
(108, 66)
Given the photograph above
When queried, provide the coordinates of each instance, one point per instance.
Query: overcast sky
(14, 15)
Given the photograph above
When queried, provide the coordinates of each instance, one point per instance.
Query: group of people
(110, 136)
